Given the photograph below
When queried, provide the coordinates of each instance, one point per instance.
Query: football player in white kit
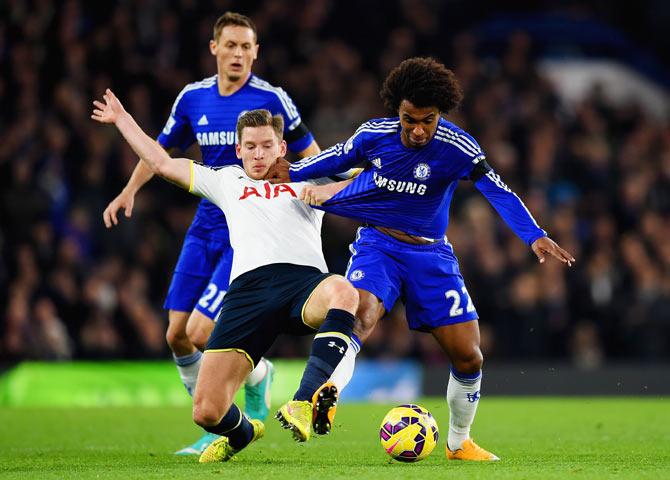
(279, 280)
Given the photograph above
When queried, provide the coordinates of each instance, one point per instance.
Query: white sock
(188, 367)
(342, 374)
(258, 373)
(463, 398)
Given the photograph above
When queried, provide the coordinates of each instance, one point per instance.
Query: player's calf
(331, 307)
(328, 349)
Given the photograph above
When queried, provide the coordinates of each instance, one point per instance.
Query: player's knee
(198, 333)
(207, 413)
(468, 361)
(342, 294)
(370, 310)
(176, 338)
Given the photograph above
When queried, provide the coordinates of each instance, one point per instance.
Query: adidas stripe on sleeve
(342, 156)
(177, 131)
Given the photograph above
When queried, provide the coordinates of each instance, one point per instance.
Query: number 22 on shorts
(454, 296)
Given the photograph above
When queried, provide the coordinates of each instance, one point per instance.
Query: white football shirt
(268, 223)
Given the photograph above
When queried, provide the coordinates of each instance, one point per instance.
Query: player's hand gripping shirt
(200, 114)
(268, 223)
(410, 189)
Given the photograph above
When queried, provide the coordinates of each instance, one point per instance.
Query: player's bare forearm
(149, 151)
(141, 175)
(319, 194)
(312, 149)
(153, 155)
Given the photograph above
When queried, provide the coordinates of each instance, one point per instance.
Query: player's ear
(282, 148)
(212, 47)
(238, 150)
(256, 51)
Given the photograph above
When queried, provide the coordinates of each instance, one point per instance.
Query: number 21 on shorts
(454, 297)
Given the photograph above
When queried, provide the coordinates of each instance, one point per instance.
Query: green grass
(543, 438)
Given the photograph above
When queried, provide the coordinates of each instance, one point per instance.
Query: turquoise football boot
(257, 398)
(199, 446)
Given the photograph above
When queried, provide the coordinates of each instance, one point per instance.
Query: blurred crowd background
(595, 174)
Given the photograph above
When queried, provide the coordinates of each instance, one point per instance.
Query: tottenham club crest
(356, 275)
(422, 171)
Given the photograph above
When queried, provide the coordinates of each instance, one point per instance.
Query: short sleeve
(209, 183)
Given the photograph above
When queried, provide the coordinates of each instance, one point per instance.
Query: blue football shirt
(410, 189)
(200, 114)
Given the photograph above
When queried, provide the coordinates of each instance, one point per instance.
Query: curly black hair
(424, 82)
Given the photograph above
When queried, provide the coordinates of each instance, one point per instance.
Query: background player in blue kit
(206, 112)
(413, 163)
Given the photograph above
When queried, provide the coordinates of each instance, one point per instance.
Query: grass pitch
(543, 438)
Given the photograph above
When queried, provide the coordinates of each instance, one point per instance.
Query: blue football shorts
(201, 276)
(425, 277)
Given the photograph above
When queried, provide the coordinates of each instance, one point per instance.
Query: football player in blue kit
(413, 162)
(206, 112)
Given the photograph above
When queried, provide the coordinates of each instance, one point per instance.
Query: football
(408, 433)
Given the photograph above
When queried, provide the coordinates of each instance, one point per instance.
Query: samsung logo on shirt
(216, 138)
(399, 186)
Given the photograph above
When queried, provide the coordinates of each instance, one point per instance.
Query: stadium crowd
(597, 178)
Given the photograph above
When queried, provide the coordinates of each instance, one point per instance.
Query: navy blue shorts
(201, 277)
(261, 304)
(425, 277)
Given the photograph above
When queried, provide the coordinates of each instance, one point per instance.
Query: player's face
(259, 148)
(235, 51)
(418, 124)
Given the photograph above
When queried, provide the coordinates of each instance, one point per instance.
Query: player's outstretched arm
(126, 199)
(112, 111)
(516, 215)
(319, 194)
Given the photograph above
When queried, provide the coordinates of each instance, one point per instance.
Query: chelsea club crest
(356, 275)
(422, 171)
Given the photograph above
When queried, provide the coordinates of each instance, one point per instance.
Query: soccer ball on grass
(408, 433)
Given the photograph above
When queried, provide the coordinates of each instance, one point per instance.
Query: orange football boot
(470, 451)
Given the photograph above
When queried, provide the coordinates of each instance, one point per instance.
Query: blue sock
(328, 348)
(465, 378)
(235, 426)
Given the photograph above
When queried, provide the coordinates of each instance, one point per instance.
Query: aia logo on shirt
(268, 191)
